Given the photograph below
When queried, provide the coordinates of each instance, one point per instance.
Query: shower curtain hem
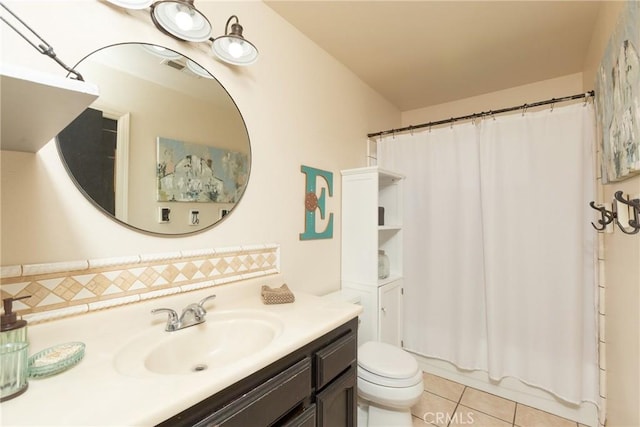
(498, 379)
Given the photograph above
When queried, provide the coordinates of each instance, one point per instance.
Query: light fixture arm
(43, 47)
(236, 29)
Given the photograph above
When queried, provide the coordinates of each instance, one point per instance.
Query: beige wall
(621, 252)
(621, 275)
(300, 105)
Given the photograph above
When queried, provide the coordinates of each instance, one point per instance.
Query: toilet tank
(354, 297)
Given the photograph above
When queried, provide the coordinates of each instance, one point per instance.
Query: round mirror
(164, 149)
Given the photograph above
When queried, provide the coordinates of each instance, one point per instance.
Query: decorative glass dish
(56, 359)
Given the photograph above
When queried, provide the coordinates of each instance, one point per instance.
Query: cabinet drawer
(334, 359)
(305, 419)
(268, 402)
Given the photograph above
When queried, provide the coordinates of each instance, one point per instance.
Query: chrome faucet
(193, 314)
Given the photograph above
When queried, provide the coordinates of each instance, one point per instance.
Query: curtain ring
(452, 121)
(586, 99)
(553, 101)
(492, 116)
(524, 109)
(411, 129)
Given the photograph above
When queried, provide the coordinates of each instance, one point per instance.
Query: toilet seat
(383, 364)
(373, 378)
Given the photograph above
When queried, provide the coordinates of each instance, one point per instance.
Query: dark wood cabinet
(314, 386)
(336, 403)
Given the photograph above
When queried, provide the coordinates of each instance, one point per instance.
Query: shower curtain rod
(522, 107)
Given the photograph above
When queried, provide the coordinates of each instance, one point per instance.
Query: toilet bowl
(389, 384)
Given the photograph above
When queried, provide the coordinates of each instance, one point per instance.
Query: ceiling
(422, 53)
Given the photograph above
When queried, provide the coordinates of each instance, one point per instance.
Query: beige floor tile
(467, 417)
(489, 404)
(432, 408)
(442, 387)
(527, 416)
(419, 422)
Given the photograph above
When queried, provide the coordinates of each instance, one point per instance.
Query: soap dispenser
(14, 351)
(12, 329)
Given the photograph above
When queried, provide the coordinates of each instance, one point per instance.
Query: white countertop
(94, 393)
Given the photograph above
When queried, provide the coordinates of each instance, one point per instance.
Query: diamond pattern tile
(110, 280)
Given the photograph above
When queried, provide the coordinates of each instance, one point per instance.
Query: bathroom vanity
(286, 364)
(313, 386)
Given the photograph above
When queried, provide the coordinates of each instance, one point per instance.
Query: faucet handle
(172, 320)
(205, 299)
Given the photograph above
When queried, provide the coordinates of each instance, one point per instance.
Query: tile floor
(445, 403)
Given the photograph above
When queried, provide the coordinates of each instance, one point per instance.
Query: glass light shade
(181, 20)
(132, 4)
(161, 51)
(197, 69)
(235, 50)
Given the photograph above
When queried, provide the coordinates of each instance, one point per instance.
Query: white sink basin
(225, 338)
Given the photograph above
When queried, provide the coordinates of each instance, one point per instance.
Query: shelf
(390, 279)
(385, 176)
(389, 227)
(36, 106)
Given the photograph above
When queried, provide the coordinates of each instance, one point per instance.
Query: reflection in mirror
(164, 149)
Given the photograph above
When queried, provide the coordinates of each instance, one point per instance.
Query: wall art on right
(618, 98)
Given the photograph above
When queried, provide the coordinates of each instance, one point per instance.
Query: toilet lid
(364, 375)
(385, 360)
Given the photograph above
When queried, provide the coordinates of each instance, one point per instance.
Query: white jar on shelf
(383, 265)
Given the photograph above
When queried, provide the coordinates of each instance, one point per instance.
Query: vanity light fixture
(181, 19)
(233, 47)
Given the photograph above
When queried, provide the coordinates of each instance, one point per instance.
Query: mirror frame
(133, 227)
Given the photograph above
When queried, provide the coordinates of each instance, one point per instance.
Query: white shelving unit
(363, 191)
(36, 106)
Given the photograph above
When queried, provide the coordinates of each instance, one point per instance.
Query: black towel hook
(609, 216)
(606, 217)
(634, 218)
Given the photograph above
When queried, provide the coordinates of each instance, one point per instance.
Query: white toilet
(389, 381)
(389, 384)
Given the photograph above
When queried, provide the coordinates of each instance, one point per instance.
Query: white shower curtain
(498, 247)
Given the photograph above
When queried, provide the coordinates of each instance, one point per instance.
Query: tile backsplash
(68, 288)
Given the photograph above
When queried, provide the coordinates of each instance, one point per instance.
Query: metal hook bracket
(634, 208)
(609, 216)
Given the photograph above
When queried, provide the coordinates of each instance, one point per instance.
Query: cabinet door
(390, 313)
(336, 404)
